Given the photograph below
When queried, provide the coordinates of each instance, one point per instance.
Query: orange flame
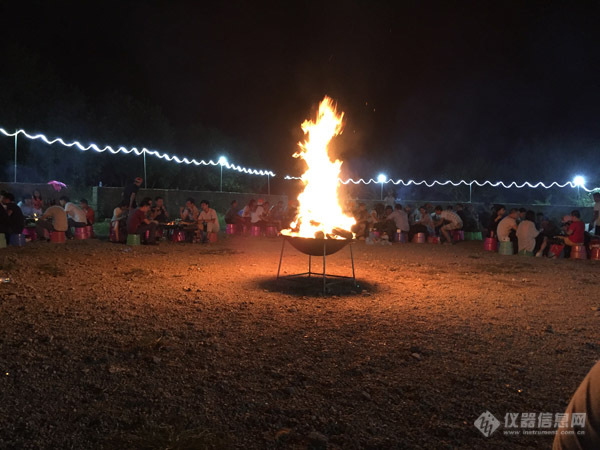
(319, 207)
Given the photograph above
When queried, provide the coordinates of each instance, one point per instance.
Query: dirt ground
(184, 346)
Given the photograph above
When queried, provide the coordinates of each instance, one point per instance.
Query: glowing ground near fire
(187, 347)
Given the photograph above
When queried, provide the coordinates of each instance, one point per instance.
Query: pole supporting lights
(578, 181)
(222, 162)
(381, 178)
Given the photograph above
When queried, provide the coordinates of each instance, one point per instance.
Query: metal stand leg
(309, 265)
(324, 257)
(280, 258)
(352, 258)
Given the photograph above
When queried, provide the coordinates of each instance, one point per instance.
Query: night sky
(423, 84)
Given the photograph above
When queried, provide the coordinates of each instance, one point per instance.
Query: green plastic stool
(2, 240)
(525, 253)
(473, 236)
(505, 248)
(133, 239)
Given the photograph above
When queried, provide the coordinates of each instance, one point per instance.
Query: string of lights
(577, 182)
(221, 162)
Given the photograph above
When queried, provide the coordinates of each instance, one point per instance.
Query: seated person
(247, 211)
(75, 216)
(522, 213)
(159, 211)
(257, 215)
(207, 220)
(507, 229)
(400, 219)
(423, 225)
(189, 213)
(37, 202)
(496, 217)
(387, 226)
(276, 214)
(87, 209)
(377, 214)
(290, 214)
(361, 215)
(13, 220)
(471, 219)
(232, 216)
(119, 221)
(447, 221)
(575, 232)
(138, 223)
(53, 219)
(529, 237)
(26, 205)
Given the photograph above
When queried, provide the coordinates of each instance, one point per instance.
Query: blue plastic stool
(18, 240)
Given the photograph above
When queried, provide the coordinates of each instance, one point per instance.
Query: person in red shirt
(87, 209)
(575, 233)
(138, 223)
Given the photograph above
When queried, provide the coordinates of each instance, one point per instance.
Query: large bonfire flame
(319, 211)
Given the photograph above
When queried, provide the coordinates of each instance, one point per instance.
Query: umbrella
(57, 185)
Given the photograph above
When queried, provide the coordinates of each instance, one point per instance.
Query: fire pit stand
(318, 247)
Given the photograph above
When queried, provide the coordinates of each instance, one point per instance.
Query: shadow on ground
(313, 286)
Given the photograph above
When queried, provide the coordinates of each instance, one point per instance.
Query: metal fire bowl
(314, 247)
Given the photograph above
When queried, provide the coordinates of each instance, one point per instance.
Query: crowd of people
(529, 232)
(62, 216)
(388, 221)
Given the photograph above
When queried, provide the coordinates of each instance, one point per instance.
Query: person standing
(595, 225)
(130, 192)
(14, 220)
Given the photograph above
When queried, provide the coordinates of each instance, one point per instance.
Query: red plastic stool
(490, 244)
(419, 238)
(255, 231)
(212, 237)
(578, 252)
(434, 240)
(271, 232)
(595, 253)
(81, 233)
(90, 231)
(58, 237)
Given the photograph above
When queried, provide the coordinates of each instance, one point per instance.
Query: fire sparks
(319, 210)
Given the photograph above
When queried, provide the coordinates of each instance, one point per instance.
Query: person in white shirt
(26, 205)
(257, 214)
(596, 219)
(119, 221)
(529, 237)
(447, 221)
(208, 220)
(400, 218)
(75, 215)
(507, 228)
